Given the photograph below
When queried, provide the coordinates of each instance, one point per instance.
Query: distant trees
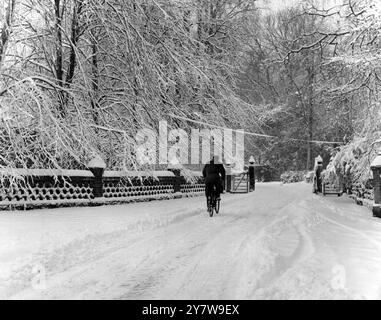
(354, 81)
(317, 70)
(285, 71)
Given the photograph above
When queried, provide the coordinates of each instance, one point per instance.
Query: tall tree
(79, 65)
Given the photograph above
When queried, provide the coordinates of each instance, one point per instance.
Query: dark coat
(213, 172)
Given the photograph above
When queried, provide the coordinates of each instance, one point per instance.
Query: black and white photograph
(222, 151)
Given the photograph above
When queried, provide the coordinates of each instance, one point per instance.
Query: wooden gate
(240, 183)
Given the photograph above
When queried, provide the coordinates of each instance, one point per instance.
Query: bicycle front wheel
(211, 210)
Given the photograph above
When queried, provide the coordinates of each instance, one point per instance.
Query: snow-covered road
(279, 242)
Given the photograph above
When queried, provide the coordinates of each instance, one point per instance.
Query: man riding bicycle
(214, 174)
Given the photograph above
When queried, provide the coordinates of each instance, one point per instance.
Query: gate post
(177, 178)
(228, 179)
(97, 166)
(251, 174)
(376, 169)
(318, 168)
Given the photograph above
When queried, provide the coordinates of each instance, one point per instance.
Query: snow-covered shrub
(351, 163)
(190, 176)
(309, 177)
(293, 176)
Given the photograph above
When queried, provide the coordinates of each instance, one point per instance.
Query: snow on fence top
(194, 173)
(97, 162)
(376, 163)
(87, 173)
(45, 172)
(116, 174)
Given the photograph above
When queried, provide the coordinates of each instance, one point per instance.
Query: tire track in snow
(375, 243)
(201, 274)
(263, 263)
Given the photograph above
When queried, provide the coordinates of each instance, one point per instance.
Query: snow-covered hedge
(350, 166)
(293, 176)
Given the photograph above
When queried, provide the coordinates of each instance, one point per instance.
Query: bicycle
(213, 203)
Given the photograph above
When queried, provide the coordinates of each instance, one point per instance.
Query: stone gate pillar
(176, 170)
(97, 166)
(376, 169)
(251, 174)
(228, 178)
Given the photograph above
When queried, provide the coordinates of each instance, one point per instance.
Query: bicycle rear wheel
(217, 206)
(211, 211)
(210, 206)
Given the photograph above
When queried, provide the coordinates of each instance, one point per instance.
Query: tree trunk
(6, 29)
(59, 56)
(95, 81)
(75, 33)
(308, 156)
(310, 104)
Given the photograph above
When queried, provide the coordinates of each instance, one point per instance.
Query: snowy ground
(279, 242)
